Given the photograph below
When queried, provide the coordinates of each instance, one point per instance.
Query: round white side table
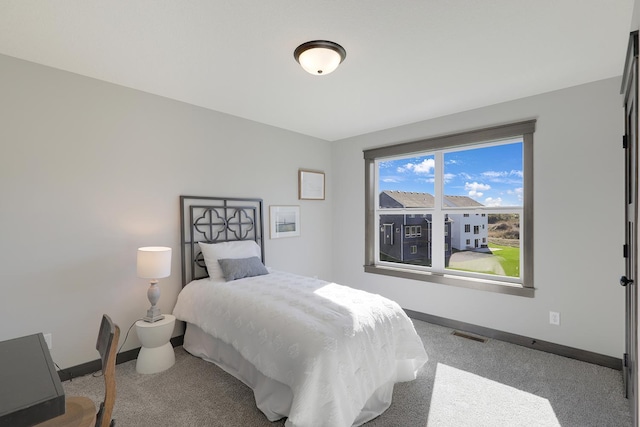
(156, 354)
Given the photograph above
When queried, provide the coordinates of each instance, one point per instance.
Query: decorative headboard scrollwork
(215, 220)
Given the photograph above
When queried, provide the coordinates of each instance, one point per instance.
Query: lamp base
(153, 293)
(153, 315)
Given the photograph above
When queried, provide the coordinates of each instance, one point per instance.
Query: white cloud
(490, 201)
(494, 174)
(505, 177)
(448, 177)
(518, 192)
(422, 168)
(475, 186)
(502, 174)
(476, 189)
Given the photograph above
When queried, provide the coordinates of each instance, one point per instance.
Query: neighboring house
(407, 237)
(469, 231)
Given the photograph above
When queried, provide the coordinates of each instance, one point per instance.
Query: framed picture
(285, 221)
(310, 185)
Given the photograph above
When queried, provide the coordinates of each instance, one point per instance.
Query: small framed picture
(310, 185)
(285, 221)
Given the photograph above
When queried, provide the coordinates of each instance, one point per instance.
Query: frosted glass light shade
(319, 57)
(154, 262)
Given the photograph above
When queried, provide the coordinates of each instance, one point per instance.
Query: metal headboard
(215, 220)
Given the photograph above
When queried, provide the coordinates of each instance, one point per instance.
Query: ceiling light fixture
(319, 57)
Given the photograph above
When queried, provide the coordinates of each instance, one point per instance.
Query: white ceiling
(407, 60)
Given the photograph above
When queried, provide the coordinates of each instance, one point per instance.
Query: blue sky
(490, 175)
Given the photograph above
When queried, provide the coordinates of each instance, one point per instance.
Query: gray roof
(460, 202)
(425, 200)
(411, 200)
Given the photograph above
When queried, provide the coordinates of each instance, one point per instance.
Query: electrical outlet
(554, 318)
(49, 340)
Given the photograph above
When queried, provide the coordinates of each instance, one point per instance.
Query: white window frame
(412, 231)
(465, 140)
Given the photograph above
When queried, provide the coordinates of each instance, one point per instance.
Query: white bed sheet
(272, 397)
(337, 350)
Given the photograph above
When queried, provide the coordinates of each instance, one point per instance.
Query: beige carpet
(461, 398)
(465, 383)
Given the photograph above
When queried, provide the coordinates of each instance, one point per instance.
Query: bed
(318, 353)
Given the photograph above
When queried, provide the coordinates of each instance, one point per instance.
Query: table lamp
(154, 262)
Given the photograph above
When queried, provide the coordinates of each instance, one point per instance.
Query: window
(479, 179)
(416, 231)
(412, 231)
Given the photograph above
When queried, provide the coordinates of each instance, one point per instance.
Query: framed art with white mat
(284, 221)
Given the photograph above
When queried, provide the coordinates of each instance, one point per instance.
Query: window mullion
(437, 238)
(376, 209)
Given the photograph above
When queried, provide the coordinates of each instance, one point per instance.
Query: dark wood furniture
(30, 388)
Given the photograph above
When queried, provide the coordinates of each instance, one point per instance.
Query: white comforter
(331, 344)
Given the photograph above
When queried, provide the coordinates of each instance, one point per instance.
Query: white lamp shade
(319, 61)
(154, 262)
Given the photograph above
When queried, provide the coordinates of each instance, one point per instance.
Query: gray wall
(90, 171)
(578, 192)
(635, 18)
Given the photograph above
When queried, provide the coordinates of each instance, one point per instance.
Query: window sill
(477, 284)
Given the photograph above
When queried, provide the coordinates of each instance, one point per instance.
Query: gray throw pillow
(237, 268)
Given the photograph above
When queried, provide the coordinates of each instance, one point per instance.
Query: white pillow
(212, 252)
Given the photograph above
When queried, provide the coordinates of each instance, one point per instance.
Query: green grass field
(508, 257)
(504, 260)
